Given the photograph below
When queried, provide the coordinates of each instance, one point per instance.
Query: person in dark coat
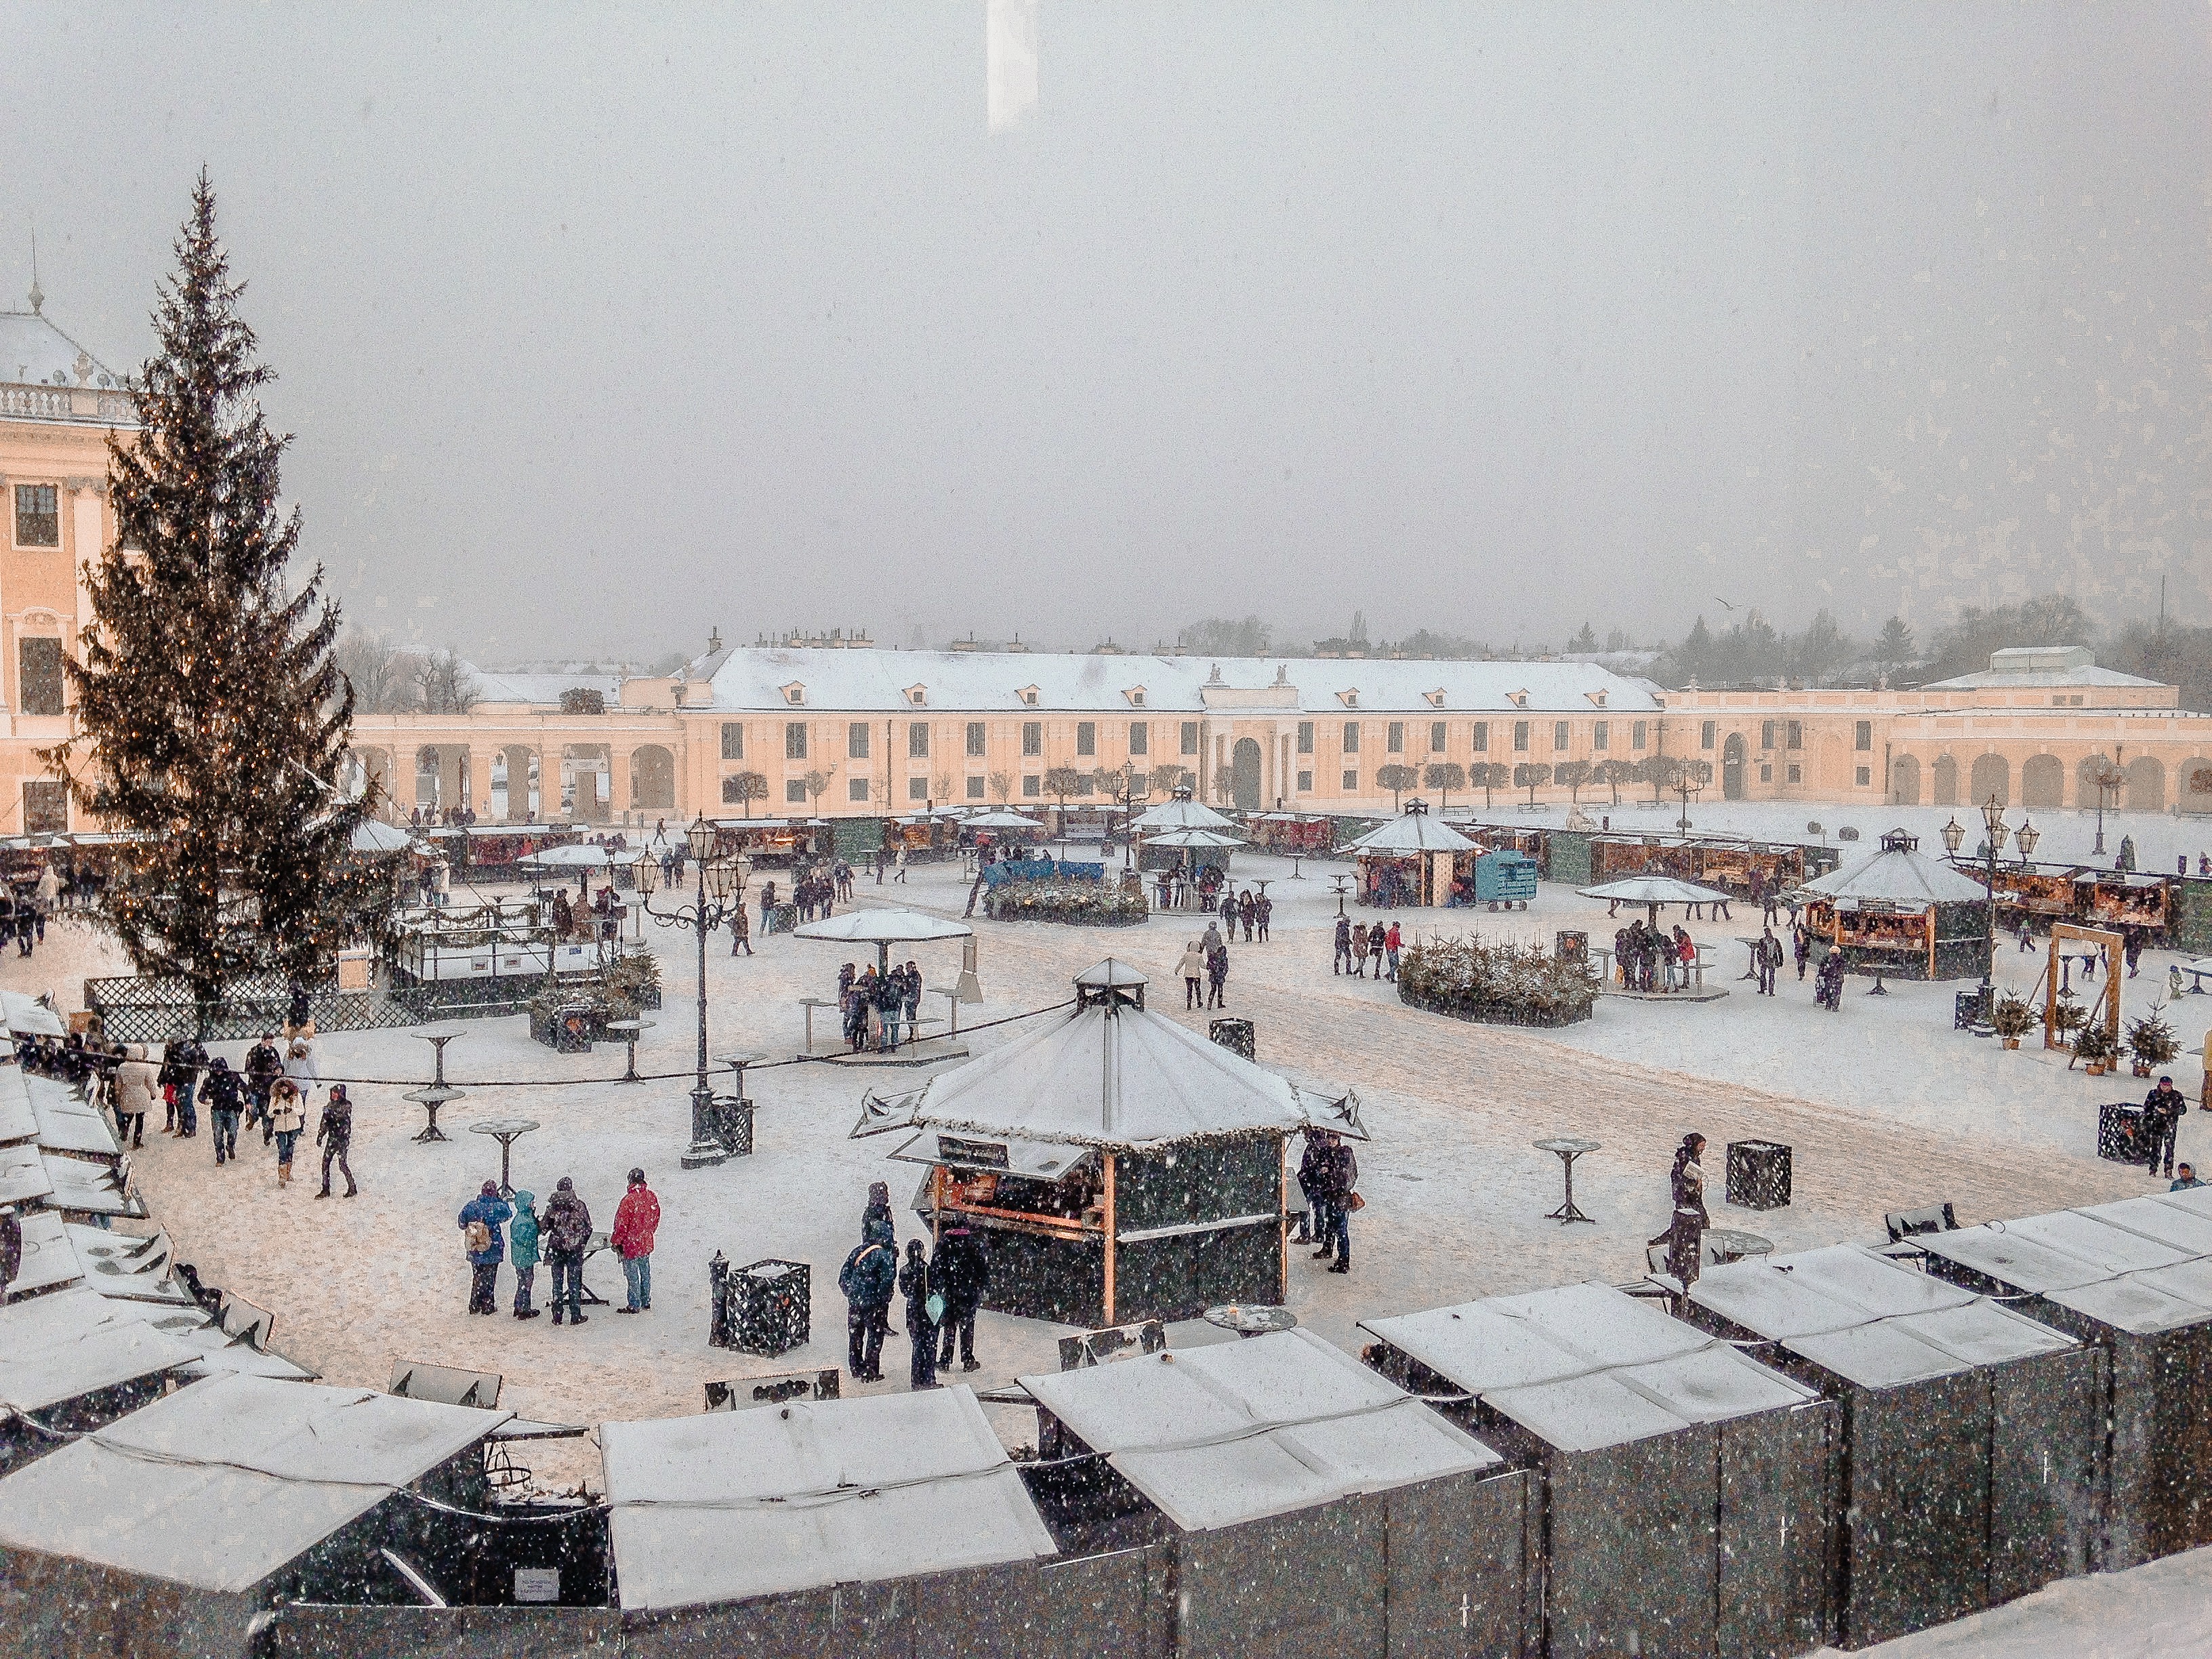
(962, 1272)
(2161, 1123)
(263, 1066)
(1766, 956)
(1339, 1180)
(1342, 964)
(482, 1216)
(564, 1233)
(868, 1279)
(1216, 974)
(334, 1134)
(921, 1328)
(1313, 1224)
(11, 1248)
(1685, 1237)
(225, 1102)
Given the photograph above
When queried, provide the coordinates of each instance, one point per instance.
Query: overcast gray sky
(598, 325)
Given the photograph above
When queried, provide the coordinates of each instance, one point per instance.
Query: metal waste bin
(1236, 1036)
(770, 1306)
(1571, 944)
(2119, 1132)
(1758, 1174)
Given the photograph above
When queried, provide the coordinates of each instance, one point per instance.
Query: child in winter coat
(522, 1250)
(286, 1119)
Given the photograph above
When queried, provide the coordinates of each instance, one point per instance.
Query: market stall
(1119, 1165)
(2127, 900)
(1633, 1424)
(772, 842)
(1414, 859)
(1900, 913)
(1291, 835)
(2133, 1279)
(1972, 1434)
(1180, 811)
(1298, 1502)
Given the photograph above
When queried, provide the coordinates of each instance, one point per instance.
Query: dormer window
(1435, 697)
(1136, 695)
(1028, 694)
(794, 694)
(1519, 699)
(1349, 699)
(917, 696)
(1597, 697)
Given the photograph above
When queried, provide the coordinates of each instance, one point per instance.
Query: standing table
(1568, 1150)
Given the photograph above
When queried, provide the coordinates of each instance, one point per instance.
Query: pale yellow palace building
(834, 731)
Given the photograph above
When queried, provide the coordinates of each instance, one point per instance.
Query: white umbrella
(1001, 818)
(375, 837)
(1654, 891)
(883, 929)
(1182, 814)
(1416, 832)
(1193, 838)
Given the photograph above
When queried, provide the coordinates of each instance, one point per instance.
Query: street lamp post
(722, 888)
(1993, 843)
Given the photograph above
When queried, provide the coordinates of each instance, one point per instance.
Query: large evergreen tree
(211, 717)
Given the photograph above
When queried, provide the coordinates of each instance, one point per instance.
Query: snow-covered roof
(67, 1121)
(760, 678)
(2141, 1264)
(1868, 1319)
(1415, 832)
(222, 1482)
(2033, 667)
(1585, 1366)
(18, 1122)
(49, 1258)
(34, 352)
(1239, 1430)
(540, 689)
(727, 1506)
(1901, 875)
(1110, 1075)
(73, 1342)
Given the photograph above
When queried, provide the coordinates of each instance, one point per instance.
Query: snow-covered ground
(1886, 1108)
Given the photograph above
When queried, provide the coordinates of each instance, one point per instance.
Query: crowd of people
(1647, 957)
(877, 1007)
(1359, 944)
(943, 1292)
(560, 1235)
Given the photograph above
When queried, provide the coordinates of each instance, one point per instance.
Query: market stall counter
(1900, 913)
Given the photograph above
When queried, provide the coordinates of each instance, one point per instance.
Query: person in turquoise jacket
(522, 1249)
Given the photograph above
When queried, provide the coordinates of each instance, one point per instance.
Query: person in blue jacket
(869, 1278)
(482, 1218)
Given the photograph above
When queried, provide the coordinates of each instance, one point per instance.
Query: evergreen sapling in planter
(2013, 1019)
(2094, 1047)
(2151, 1041)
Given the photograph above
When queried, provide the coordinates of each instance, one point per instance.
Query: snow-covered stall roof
(23, 1178)
(49, 1258)
(67, 1122)
(2141, 1265)
(1897, 875)
(2184, 1226)
(85, 1188)
(1868, 1320)
(1233, 1432)
(18, 1122)
(223, 1482)
(1585, 1366)
(70, 1343)
(1415, 832)
(1111, 1074)
(728, 1505)
(26, 1015)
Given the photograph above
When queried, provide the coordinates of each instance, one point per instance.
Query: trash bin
(1235, 1034)
(573, 1029)
(770, 1307)
(1758, 1174)
(1970, 1008)
(1571, 944)
(2119, 1132)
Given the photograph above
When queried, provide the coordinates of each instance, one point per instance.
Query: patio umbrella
(883, 929)
(1001, 818)
(1654, 891)
(580, 856)
(1193, 838)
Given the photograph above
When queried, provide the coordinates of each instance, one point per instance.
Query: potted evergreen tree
(2013, 1019)
(2151, 1041)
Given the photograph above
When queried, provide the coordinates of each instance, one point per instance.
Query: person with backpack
(334, 1134)
(923, 1305)
(564, 1233)
(481, 1217)
(867, 1279)
(637, 1218)
(522, 1249)
(263, 1066)
(962, 1272)
(225, 1101)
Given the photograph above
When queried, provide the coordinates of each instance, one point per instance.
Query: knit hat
(637, 1177)
(879, 1192)
(564, 1185)
(491, 1189)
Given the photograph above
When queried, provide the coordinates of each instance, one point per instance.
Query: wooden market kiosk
(1900, 913)
(1119, 1166)
(1416, 859)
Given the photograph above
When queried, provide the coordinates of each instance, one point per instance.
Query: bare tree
(1662, 772)
(1002, 787)
(1397, 780)
(943, 784)
(1061, 782)
(1531, 776)
(1443, 777)
(1612, 774)
(743, 789)
(1168, 777)
(382, 674)
(444, 685)
(816, 781)
(1490, 774)
(1574, 773)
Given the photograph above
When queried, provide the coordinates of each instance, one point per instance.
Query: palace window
(1305, 737)
(1636, 734)
(1435, 737)
(1394, 738)
(1558, 734)
(1032, 785)
(1190, 737)
(795, 740)
(1482, 737)
(38, 516)
(1863, 739)
(794, 792)
(975, 789)
(856, 789)
(1351, 738)
(1599, 732)
(975, 737)
(1140, 737)
(1705, 735)
(856, 741)
(38, 662)
(1032, 738)
(1087, 737)
(917, 740)
(1520, 737)
(1305, 783)
(733, 740)
(1352, 783)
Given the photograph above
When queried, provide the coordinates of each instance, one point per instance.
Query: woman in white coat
(135, 1092)
(302, 1066)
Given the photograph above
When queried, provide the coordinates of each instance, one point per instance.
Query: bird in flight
(1722, 603)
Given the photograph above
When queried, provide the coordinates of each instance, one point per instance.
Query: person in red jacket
(636, 1219)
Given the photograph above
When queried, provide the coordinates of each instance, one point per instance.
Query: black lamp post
(721, 889)
(1996, 830)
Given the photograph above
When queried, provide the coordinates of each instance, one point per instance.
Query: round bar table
(1735, 1244)
(629, 1032)
(1568, 1150)
(507, 1131)
(430, 1097)
(1251, 1320)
